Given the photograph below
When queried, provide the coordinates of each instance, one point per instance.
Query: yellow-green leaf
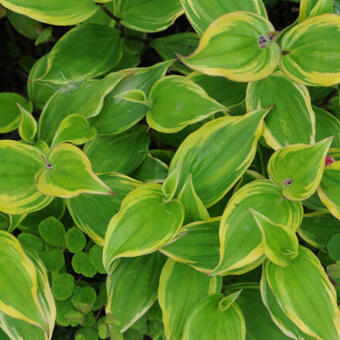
(61, 12)
(144, 223)
(170, 184)
(239, 46)
(84, 208)
(75, 129)
(329, 189)
(312, 8)
(291, 119)
(78, 55)
(211, 320)
(28, 126)
(132, 288)
(10, 114)
(147, 16)
(180, 289)
(297, 169)
(280, 244)
(67, 172)
(306, 47)
(19, 163)
(177, 102)
(201, 13)
(214, 173)
(197, 245)
(305, 295)
(240, 238)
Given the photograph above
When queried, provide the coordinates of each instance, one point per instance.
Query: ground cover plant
(169, 170)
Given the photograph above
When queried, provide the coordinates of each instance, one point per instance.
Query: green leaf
(96, 258)
(132, 232)
(297, 169)
(21, 275)
(234, 40)
(68, 173)
(318, 228)
(122, 153)
(74, 129)
(193, 206)
(147, 16)
(134, 96)
(209, 320)
(28, 126)
(327, 125)
(304, 280)
(240, 238)
(333, 247)
(75, 240)
(31, 242)
(52, 231)
(312, 8)
(197, 245)
(258, 321)
(118, 115)
(84, 208)
(280, 244)
(19, 163)
(53, 259)
(44, 36)
(51, 12)
(222, 133)
(170, 184)
(81, 264)
(151, 170)
(180, 289)
(177, 102)
(78, 54)
(84, 298)
(169, 47)
(319, 39)
(291, 119)
(132, 288)
(85, 98)
(24, 24)
(201, 13)
(328, 190)
(10, 114)
(63, 286)
(218, 87)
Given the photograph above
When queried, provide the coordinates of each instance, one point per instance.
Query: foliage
(171, 171)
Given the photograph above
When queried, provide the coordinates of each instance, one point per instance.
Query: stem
(329, 97)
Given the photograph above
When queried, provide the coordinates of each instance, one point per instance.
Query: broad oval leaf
(279, 243)
(67, 173)
(201, 13)
(318, 228)
(327, 125)
(147, 16)
(75, 129)
(328, 190)
(18, 166)
(239, 46)
(258, 321)
(117, 114)
(297, 169)
(28, 126)
(176, 102)
(144, 223)
(85, 98)
(132, 288)
(92, 213)
(61, 12)
(221, 135)
(291, 119)
(305, 280)
(209, 320)
(25, 290)
(240, 238)
(79, 54)
(180, 289)
(121, 153)
(197, 245)
(306, 47)
(10, 114)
